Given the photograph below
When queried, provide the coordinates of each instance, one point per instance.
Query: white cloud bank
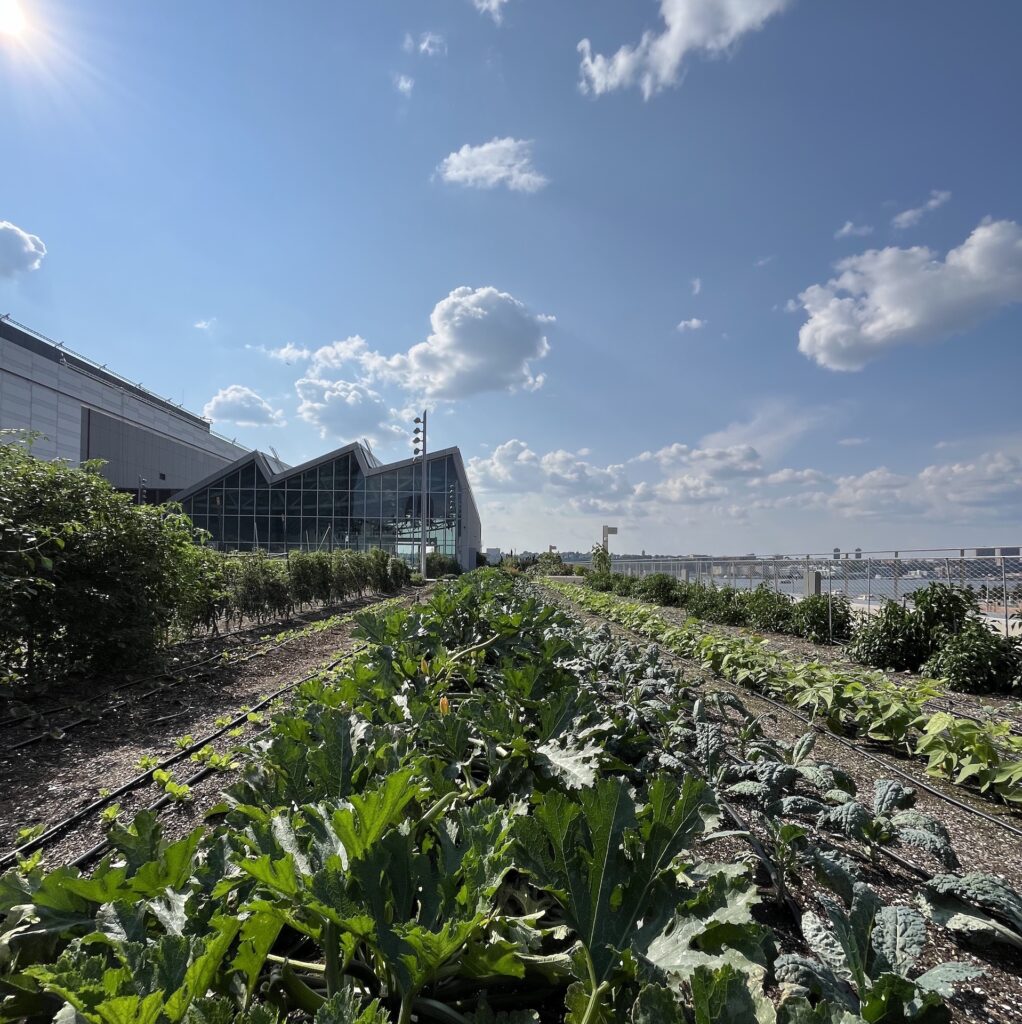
(692, 324)
(654, 63)
(497, 162)
(20, 252)
(242, 406)
(909, 218)
(883, 298)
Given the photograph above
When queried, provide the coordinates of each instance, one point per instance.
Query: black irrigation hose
(999, 822)
(39, 737)
(171, 672)
(53, 831)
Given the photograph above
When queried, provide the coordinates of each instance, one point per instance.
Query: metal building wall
(62, 399)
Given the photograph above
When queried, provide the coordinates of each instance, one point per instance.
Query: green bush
(941, 611)
(416, 579)
(602, 582)
(770, 611)
(624, 586)
(659, 588)
(88, 579)
(823, 618)
(891, 639)
(400, 574)
(976, 660)
(438, 565)
(724, 605)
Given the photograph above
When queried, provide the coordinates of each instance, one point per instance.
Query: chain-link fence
(866, 579)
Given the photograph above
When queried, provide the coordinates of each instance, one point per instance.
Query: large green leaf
(899, 936)
(728, 994)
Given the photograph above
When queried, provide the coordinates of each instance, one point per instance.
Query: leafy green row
(494, 816)
(984, 754)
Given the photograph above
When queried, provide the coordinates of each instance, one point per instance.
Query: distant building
(84, 411)
(493, 556)
(245, 499)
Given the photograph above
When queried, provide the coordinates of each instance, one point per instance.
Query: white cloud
(20, 252)
(693, 324)
(772, 428)
(568, 477)
(909, 218)
(883, 298)
(697, 285)
(343, 410)
(404, 84)
(764, 260)
(432, 44)
(242, 406)
(497, 162)
(482, 340)
(850, 230)
(408, 45)
(733, 461)
(789, 477)
(205, 325)
(851, 442)
(494, 8)
(290, 353)
(791, 306)
(654, 63)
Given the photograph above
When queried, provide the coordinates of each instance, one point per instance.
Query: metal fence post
(830, 606)
(897, 574)
(1004, 595)
(869, 587)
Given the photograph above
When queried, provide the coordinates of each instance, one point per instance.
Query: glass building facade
(342, 500)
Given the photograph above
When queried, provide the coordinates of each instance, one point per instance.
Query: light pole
(419, 441)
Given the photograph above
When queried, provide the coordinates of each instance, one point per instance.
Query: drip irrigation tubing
(104, 712)
(885, 761)
(171, 672)
(57, 829)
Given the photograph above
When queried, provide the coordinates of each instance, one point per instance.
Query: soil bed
(50, 780)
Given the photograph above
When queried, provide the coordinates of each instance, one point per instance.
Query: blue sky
(616, 273)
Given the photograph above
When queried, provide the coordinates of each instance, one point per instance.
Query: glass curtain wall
(333, 505)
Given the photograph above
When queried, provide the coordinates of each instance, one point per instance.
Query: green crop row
(983, 754)
(941, 635)
(493, 816)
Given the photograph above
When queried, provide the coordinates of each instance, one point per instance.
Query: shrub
(976, 660)
(602, 582)
(438, 565)
(379, 570)
(942, 610)
(823, 618)
(659, 588)
(88, 579)
(601, 560)
(768, 610)
(624, 586)
(716, 604)
(416, 579)
(579, 570)
(890, 639)
(302, 574)
(400, 574)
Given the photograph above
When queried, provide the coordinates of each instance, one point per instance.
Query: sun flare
(12, 19)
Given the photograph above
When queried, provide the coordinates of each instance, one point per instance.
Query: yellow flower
(445, 706)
